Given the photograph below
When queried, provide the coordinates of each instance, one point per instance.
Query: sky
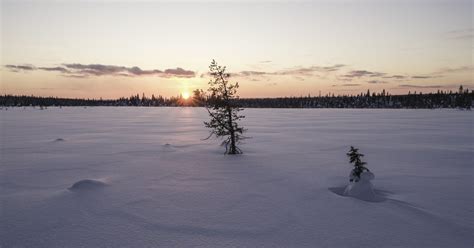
(113, 48)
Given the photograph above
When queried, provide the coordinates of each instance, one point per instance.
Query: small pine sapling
(355, 157)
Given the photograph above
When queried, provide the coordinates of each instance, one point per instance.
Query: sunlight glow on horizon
(185, 95)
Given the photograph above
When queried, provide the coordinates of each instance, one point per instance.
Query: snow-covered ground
(142, 177)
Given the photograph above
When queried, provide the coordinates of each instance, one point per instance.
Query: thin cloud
(464, 37)
(96, 69)
(299, 78)
(179, 72)
(395, 77)
(109, 70)
(455, 69)
(457, 31)
(252, 73)
(466, 85)
(363, 73)
(310, 70)
(377, 82)
(74, 76)
(335, 67)
(422, 77)
(17, 68)
(136, 71)
(345, 85)
(461, 34)
(59, 69)
(297, 71)
(420, 86)
(77, 70)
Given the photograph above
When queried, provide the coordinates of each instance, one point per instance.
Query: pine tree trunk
(233, 150)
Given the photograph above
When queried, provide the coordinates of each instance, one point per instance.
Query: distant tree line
(441, 99)
(134, 100)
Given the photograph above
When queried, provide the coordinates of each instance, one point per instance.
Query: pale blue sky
(274, 48)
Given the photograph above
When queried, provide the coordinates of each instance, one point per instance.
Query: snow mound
(169, 147)
(363, 189)
(87, 184)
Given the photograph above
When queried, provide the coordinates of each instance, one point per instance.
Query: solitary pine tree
(223, 109)
(355, 157)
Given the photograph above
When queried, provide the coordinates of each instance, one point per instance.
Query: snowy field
(155, 183)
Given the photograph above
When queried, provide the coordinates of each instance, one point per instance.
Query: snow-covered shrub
(360, 186)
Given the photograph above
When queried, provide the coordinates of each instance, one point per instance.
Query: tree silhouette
(463, 99)
(355, 157)
(199, 98)
(223, 109)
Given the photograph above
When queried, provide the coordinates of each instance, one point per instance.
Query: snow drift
(87, 184)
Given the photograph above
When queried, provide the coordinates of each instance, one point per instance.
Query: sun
(185, 95)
